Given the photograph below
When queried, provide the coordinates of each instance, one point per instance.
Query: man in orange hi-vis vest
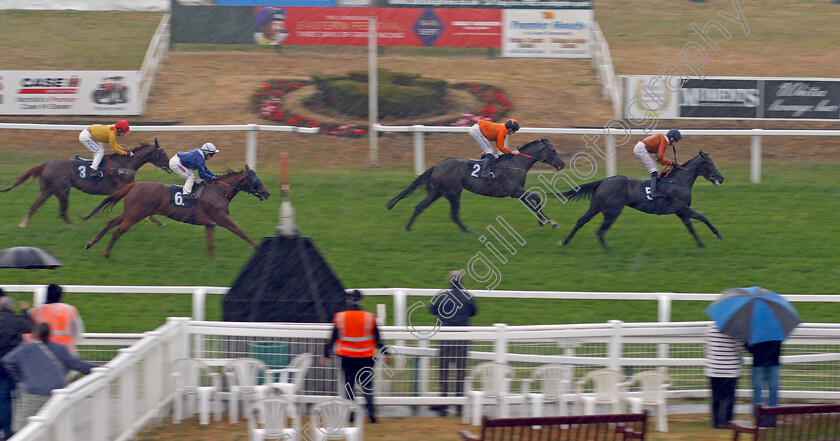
(355, 338)
(66, 326)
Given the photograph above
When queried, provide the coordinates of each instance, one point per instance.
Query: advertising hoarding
(547, 33)
(69, 92)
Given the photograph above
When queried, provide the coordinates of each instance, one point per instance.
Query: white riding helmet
(209, 148)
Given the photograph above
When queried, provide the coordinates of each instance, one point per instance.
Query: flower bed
(268, 103)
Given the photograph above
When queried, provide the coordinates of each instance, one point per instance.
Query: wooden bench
(819, 422)
(615, 427)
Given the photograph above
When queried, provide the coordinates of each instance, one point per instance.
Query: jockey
(193, 160)
(655, 144)
(95, 137)
(485, 131)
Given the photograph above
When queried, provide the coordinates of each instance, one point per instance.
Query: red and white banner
(395, 27)
(40, 92)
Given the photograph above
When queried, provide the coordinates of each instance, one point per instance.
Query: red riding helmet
(122, 125)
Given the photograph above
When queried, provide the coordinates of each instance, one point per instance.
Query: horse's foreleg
(33, 208)
(111, 224)
(688, 214)
(581, 222)
(63, 203)
(153, 219)
(610, 215)
(430, 197)
(208, 232)
(228, 223)
(535, 204)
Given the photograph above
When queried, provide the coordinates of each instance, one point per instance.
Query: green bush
(401, 94)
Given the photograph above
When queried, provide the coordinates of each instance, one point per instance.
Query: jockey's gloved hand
(130, 153)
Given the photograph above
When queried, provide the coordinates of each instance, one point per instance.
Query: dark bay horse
(57, 177)
(449, 177)
(143, 199)
(610, 195)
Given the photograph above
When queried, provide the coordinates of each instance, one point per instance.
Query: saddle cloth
(176, 196)
(81, 168)
(475, 167)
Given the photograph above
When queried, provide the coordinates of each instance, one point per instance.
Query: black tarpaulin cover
(286, 280)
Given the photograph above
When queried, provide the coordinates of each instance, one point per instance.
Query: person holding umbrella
(762, 319)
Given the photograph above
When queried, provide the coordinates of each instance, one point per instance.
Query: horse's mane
(536, 141)
(228, 172)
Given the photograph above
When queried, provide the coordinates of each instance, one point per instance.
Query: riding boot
(654, 180)
(485, 165)
(97, 173)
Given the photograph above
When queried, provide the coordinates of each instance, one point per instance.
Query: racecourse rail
(137, 391)
(608, 145)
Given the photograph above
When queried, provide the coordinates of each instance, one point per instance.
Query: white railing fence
(250, 147)
(155, 56)
(604, 70)
(608, 144)
(400, 296)
(135, 391)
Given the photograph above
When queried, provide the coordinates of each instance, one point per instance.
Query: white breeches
(641, 152)
(98, 148)
(175, 165)
(484, 143)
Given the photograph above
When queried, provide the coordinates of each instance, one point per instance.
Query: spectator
(65, 322)
(765, 370)
(355, 338)
(12, 328)
(452, 308)
(39, 368)
(723, 367)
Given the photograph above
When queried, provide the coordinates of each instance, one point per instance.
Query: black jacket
(766, 353)
(12, 328)
(457, 305)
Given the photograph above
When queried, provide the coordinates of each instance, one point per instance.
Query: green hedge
(401, 94)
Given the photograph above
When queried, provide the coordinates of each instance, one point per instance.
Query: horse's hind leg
(454, 207)
(126, 224)
(209, 233)
(430, 197)
(33, 208)
(610, 215)
(581, 222)
(111, 224)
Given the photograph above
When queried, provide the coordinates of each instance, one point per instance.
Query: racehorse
(610, 195)
(58, 176)
(213, 206)
(449, 177)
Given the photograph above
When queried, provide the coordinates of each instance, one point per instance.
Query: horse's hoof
(162, 224)
(561, 243)
(555, 225)
(408, 229)
(701, 245)
(22, 225)
(88, 245)
(720, 238)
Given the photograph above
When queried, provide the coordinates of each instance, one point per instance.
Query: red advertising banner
(395, 27)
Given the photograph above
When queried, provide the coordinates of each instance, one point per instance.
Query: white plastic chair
(273, 418)
(193, 381)
(492, 383)
(290, 379)
(550, 383)
(652, 389)
(607, 388)
(244, 376)
(331, 420)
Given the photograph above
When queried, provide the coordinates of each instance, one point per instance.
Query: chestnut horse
(58, 176)
(143, 199)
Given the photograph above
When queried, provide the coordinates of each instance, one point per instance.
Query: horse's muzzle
(263, 195)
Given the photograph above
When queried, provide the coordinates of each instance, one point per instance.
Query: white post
(128, 393)
(251, 148)
(419, 151)
(664, 317)
(99, 408)
(755, 159)
(614, 349)
(399, 308)
(198, 301)
(423, 387)
(611, 166)
(381, 309)
(373, 93)
(39, 296)
(500, 347)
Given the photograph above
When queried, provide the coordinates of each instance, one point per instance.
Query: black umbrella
(28, 258)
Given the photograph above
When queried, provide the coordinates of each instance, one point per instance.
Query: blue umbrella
(753, 315)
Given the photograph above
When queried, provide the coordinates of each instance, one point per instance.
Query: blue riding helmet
(674, 133)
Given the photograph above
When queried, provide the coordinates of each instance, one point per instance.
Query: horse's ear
(247, 168)
(704, 154)
(156, 142)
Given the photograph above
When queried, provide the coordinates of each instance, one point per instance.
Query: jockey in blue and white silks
(183, 162)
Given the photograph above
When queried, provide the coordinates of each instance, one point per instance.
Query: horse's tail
(111, 200)
(585, 191)
(32, 173)
(422, 179)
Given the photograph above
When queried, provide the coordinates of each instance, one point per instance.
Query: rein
(670, 167)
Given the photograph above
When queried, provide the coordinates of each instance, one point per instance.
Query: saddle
(81, 168)
(176, 195)
(475, 168)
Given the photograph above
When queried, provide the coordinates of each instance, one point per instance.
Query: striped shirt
(723, 354)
